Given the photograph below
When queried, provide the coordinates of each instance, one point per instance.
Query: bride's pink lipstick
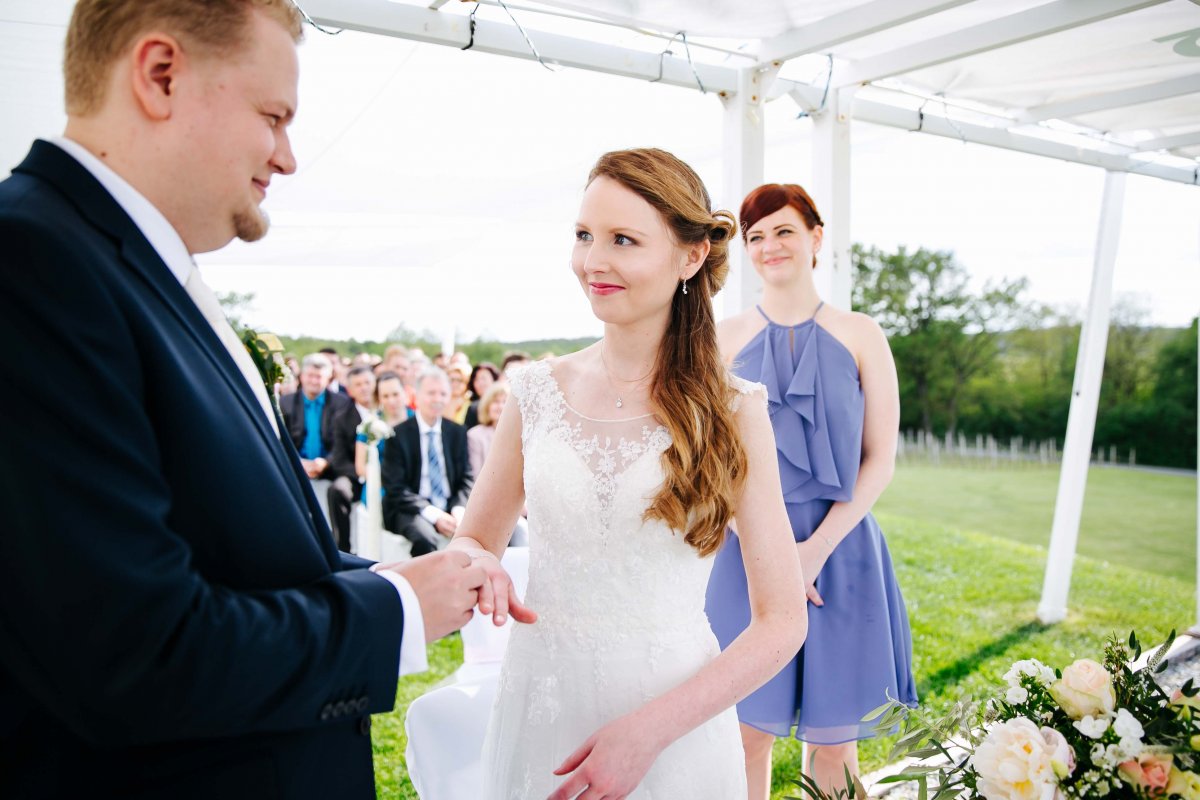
(605, 288)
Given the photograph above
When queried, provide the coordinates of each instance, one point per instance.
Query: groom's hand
(447, 584)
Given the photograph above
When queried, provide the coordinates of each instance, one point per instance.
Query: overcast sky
(437, 189)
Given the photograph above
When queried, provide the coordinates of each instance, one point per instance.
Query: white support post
(744, 146)
(831, 193)
(1085, 397)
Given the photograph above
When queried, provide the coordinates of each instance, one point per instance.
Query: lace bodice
(601, 576)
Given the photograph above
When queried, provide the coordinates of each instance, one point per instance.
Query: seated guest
(338, 384)
(512, 360)
(460, 397)
(391, 406)
(395, 359)
(345, 489)
(418, 362)
(479, 438)
(482, 378)
(309, 415)
(479, 441)
(426, 474)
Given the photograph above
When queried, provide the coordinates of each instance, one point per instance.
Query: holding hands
(497, 595)
(448, 584)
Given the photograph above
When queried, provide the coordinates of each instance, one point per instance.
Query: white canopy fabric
(1125, 75)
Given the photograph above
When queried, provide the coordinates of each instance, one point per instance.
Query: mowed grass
(972, 591)
(1141, 519)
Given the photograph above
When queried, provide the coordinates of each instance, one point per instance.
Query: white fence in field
(922, 447)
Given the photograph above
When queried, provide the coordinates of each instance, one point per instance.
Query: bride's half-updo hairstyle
(705, 466)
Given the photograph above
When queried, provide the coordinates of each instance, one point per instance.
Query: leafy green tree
(942, 333)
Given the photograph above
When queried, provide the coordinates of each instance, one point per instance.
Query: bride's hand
(611, 763)
(497, 596)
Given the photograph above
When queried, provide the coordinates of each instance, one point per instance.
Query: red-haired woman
(633, 455)
(835, 409)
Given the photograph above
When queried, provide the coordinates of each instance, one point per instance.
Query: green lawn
(972, 591)
(1140, 519)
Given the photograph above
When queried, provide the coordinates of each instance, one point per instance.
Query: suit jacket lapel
(97, 205)
(413, 434)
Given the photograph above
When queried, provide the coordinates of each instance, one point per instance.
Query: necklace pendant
(619, 403)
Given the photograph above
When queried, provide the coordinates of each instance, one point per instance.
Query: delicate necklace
(612, 380)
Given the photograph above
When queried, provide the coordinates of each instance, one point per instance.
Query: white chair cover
(446, 725)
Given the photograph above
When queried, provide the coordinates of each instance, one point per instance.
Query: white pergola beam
(1085, 398)
(831, 192)
(849, 25)
(435, 27)
(1176, 87)
(1020, 27)
(743, 150)
(907, 119)
(1171, 142)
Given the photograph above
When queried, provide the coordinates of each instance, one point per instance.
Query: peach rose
(1085, 689)
(1150, 772)
(1017, 761)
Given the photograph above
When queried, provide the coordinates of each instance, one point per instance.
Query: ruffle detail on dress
(807, 464)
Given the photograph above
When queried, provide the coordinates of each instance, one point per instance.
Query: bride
(632, 456)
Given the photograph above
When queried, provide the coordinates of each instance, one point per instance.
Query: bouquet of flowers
(373, 429)
(1088, 731)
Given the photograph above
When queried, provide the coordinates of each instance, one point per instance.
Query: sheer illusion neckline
(563, 397)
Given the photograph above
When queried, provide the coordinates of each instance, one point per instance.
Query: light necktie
(210, 307)
(437, 482)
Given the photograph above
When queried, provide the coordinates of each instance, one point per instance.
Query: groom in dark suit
(426, 471)
(175, 620)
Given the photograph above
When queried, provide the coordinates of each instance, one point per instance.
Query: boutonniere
(266, 351)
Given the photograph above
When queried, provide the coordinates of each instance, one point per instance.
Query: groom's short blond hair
(102, 30)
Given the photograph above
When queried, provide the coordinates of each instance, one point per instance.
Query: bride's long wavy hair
(705, 466)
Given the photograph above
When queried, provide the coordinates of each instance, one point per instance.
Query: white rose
(1126, 725)
(1016, 762)
(1016, 694)
(1092, 727)
(1085, 690)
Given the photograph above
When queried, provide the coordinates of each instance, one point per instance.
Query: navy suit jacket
(174, 618)
(401, 471)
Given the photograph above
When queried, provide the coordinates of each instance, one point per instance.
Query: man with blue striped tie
(426, 472)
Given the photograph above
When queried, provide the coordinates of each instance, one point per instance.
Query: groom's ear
(158, 61)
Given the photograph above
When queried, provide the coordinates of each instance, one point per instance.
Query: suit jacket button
(364, 726)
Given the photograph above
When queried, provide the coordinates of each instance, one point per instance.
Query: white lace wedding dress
(620, 604)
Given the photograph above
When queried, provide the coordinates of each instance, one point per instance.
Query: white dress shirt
(170, 247)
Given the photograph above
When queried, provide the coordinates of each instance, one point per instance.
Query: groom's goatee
(250, 226)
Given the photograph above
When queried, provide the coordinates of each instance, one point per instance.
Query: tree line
(989, 361)
(970, 360)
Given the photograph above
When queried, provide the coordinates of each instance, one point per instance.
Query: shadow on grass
(951, 674)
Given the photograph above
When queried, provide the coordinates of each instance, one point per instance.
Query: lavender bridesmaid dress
(859, 650)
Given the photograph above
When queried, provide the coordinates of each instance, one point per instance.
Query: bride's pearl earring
(684, 284)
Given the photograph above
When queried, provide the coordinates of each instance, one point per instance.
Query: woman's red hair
(770, 197)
